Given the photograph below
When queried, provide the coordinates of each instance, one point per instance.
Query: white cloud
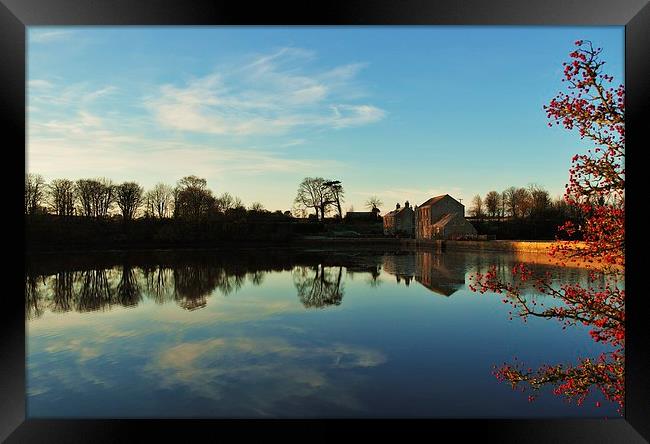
(84, 146)
(39, 83)
(38, 36)
(271, 95)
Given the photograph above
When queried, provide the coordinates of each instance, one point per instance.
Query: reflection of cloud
(262, 371)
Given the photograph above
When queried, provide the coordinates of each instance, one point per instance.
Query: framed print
(353, 214)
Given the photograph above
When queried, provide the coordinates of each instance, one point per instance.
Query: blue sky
(404, 113)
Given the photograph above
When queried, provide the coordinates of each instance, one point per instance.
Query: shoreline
(526, 251)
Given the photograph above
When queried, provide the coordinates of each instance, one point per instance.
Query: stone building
(442, 217)
(400, 221)
(362, 216)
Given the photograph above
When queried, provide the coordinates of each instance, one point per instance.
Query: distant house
(362, 216)
(400, 221)
(442, 217)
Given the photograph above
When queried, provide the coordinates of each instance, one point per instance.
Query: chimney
(397, 206)
(406, 204)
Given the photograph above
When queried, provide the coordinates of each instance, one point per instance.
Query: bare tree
(373, 202)
(227, 202)
(85, 189)
(159, 200)
(96, 196)
(62, 195)
(518, 201)
(492, 203)
(504, 201)
(477, 206)
(540, 200)
(193, 200)
(34, 192)
(256, 207)
(524, 202)
(129, 198)
(105, 197)
(313, 193)
(510, 201)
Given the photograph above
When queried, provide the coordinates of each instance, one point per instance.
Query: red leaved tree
(596, 186)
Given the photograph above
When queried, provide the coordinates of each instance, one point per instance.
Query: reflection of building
(441, 273)
(433, 273)
(442, 217)
(400, 221)
(401, 266)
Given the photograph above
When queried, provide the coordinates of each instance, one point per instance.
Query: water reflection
(318, 286)
(90, 282)
(276, 333)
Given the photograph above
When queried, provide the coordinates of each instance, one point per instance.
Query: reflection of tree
(34, 298)
(256, 277)
(128, 289)
(318, 286)
(193, 283)
(63, 291)
(96, 291)
(90, 282)
(158, 283)
(230, 281)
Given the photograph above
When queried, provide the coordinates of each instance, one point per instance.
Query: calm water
(285, 333)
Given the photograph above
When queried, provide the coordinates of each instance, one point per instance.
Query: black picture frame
(16, 15)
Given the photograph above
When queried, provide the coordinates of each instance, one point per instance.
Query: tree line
(189, 199)
(519, 203)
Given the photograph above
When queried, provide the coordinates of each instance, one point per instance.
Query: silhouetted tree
(312, 193)
(62, 196)
(517, 201)
(373, 202)
(34, 193)
(95, 196)
(129, 198)
(193, 200)
(477, 206)
(492, 203)
(227, 203)
(540, 200)
(256, 207)
(337, 193)
(159, 200)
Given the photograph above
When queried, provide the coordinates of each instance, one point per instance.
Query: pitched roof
(395, 211)
(434, 200)
(445, 219)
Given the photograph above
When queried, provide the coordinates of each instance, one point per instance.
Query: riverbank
(525, 251)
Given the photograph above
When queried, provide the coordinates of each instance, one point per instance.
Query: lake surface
(286, 333)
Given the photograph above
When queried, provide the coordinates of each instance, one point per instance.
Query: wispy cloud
(76, 94)
(38, 36)
(85, 146)
(270, 95)
(39, 83)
